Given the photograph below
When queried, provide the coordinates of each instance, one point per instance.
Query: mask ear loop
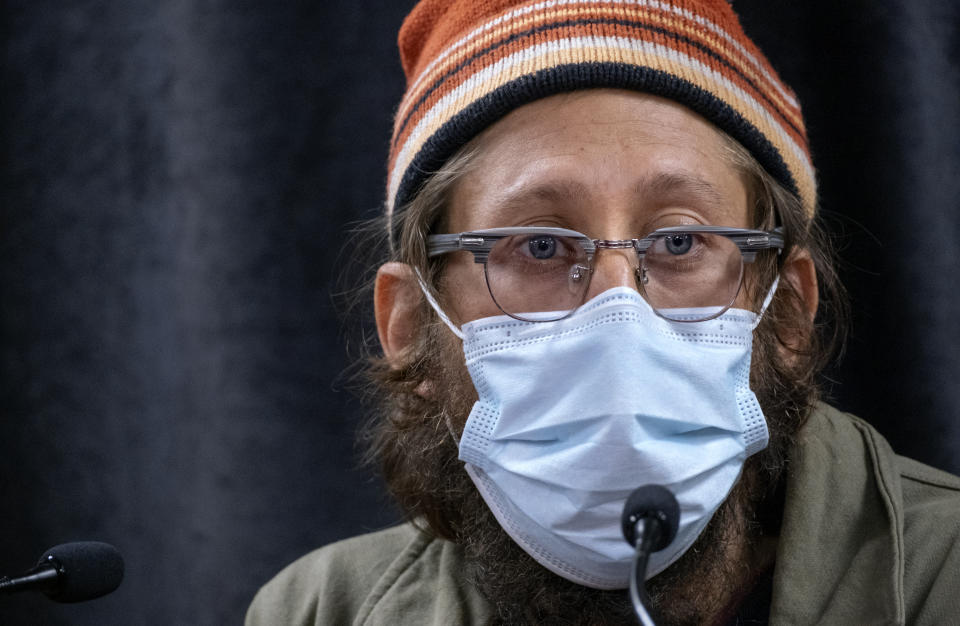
(436, 306)
(456, 331)
(453, 433)
(766, 302)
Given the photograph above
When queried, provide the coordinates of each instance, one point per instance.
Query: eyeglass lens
(688, 276)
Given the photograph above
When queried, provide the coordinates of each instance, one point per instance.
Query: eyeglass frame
(479, 242)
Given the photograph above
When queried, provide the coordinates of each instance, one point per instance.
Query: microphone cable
(651, 516)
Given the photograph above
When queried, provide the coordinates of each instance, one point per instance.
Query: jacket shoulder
(934, 481)
(399, 575)
(331, 584)
(931, 502)
(926, 506)
(931, 537)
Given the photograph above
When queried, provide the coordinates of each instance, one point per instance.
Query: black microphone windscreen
(651, 501)
(89, 569)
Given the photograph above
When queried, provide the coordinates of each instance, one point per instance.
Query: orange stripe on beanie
(470, 62)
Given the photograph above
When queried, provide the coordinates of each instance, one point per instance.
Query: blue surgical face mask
(574, 414)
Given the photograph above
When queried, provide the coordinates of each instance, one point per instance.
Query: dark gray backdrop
(177, 181)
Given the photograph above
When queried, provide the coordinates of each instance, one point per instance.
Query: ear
(396, 296)
(800, 271)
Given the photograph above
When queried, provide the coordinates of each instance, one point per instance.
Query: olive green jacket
(868, 537)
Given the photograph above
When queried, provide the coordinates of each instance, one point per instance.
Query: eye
(542, 246)
(678, 244)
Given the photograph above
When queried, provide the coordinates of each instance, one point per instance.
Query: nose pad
(615, 268)
(578, 278)
(642, 277)
(579, 273)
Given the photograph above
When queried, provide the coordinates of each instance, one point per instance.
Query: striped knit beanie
(470, 62)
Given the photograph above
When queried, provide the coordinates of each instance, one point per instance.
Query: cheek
(745, 299)
(464, 293)
(757, 280)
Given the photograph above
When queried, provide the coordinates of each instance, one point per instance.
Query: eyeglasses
(686, 273)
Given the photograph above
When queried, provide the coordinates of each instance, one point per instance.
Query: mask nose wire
(436, 306)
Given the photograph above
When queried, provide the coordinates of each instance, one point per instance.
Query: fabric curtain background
(178, 182)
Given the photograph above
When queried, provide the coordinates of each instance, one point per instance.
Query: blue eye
(542, 247)
(678, 244)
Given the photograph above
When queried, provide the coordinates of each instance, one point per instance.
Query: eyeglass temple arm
(478, 245)
(441, 244)
(752, 243)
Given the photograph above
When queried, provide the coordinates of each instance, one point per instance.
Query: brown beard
(418, 456)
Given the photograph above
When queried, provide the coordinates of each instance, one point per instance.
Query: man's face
(612, 165)
(608, 163)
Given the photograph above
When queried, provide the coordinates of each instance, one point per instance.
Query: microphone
(71, 572)
(650, 520)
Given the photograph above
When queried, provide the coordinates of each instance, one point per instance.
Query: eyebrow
(554, 192)
(667, 184)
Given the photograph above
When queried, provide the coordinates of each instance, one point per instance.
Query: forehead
(600, 160)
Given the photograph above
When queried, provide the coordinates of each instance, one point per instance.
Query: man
(606, 270)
